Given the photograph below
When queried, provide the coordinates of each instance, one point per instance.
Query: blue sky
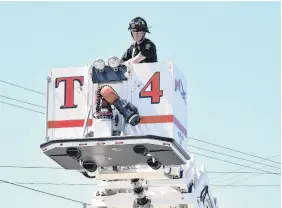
(230, 55)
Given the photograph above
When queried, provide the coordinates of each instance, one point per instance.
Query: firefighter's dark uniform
(147, 49)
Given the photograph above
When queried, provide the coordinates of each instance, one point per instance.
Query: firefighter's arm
(135, 59)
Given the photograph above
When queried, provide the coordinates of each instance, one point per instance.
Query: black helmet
(138, 24)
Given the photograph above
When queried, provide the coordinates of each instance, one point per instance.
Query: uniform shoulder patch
(148, 46)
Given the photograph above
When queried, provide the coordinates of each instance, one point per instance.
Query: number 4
(155, 94)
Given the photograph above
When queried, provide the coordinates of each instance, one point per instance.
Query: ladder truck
(125, 126)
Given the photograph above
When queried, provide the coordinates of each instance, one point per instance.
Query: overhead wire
(199, 140)
(18, 185)
(87, 184)
(21, 107)
(240, 180)
(10, 98)
(233, 156)
(60, 168)
(246, 185)
(43, 192)
(30, 167)
(236, 170)
(19, 86)
(232, 162)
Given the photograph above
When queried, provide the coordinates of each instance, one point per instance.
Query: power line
(245, 185)
(19, 86)
(241, 180)
(234, 156)
(55, 184)
(43, 192)
(30, 167)
(22, 101)
(232, 184)
(233, 150)
(59, 168)
(22, 107)
(87, 184)
(244, 179)
(231, 162)
(236, 170)
(242, 172)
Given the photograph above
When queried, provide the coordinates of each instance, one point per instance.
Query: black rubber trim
(109, 75)
(104, 139)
